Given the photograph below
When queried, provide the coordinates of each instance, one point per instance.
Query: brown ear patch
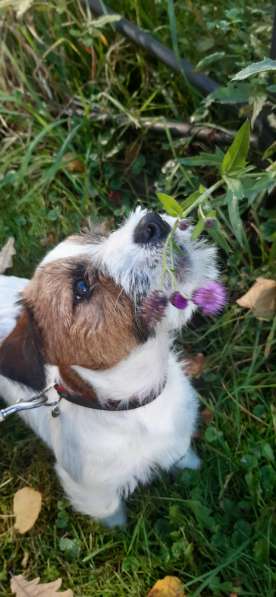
(20, 354)
(96, 333)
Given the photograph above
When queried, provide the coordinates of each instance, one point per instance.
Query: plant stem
(202, 197)
(167, 245)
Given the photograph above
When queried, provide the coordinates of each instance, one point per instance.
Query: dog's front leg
(189, 460)
(100, 501)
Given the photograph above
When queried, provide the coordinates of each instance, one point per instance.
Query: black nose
(151, 230)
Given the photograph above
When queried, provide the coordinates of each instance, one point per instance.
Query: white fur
(10, 287)
(102, 456)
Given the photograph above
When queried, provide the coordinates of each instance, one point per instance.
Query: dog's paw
(117, 519)
(190, 460)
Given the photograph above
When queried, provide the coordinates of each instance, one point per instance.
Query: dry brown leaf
(26, 507)
(73, 164)
(194, 365)
(33, 588)
(260, 298)
(206, 416)
(170, 586)
(6, 255)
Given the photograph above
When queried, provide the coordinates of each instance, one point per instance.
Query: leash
(111, 405)
(34, 402)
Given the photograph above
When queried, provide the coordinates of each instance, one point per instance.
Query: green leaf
(255, 69)
(202, 514)
(230, 94)
(235, 157)
(267, 452)
(234, 195)
(70, 547)
(254, 185)
(198, 229)
(171, 206)
(257, 105)
(105, 20)
(218, 236)
(212, 435)
(190, 200)
(271, 150)
(261, 550)
(209, 59)
(204, 159)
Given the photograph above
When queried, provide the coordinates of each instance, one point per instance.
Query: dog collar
(110, 405)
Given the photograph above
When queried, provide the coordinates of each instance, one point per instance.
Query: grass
(61, 166)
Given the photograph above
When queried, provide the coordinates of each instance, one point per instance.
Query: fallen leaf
(6, 255)
(26, 507)
(33, 588)
(260, 298)
(170, 586)
(73, 164)
(206, 416)
(194, 365)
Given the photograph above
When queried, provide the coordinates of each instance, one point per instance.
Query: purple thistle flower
(178, 300)
(211, 298)
(183, 224)
(153, 307)
(209, 223)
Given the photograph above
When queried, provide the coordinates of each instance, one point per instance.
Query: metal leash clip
(35, 402)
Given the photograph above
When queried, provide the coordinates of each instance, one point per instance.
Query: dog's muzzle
(151, 230)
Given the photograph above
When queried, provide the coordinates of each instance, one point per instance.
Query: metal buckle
(35, 402)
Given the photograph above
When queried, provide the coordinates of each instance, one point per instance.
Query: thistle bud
(209, 223)
(178, 300)
(183, 224)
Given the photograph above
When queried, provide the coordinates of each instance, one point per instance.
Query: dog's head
(82, 306)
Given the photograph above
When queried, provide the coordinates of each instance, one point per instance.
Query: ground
(61, 168)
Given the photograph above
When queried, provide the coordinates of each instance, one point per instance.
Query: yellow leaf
(73, 164)
(260, 298)
(26, 507)
(33, 588)
(103, 40)
(6, 255)
(170, 586)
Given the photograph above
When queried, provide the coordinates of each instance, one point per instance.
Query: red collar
(110, 405)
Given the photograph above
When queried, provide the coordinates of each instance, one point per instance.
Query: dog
(126, 407)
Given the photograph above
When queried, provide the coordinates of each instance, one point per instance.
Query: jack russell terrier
(126, 407)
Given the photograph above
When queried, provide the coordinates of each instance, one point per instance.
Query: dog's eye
(81, 290)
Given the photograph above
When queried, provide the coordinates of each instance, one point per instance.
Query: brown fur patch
(73, 381)
(96, 333)
(20, 353)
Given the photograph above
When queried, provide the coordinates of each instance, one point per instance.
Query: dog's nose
(151, 229)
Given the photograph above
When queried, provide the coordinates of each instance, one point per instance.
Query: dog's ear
(21, 353)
